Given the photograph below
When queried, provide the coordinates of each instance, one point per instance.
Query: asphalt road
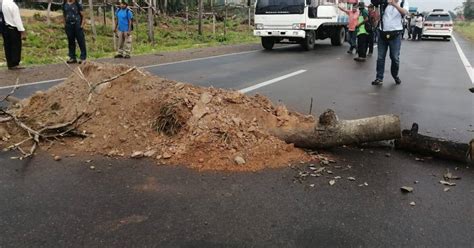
(130, 203)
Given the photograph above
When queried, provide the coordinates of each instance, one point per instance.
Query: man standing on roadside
(353, 20)
(13, 33)
(74, 23)
(418, 27)
(123, 28)
(391, 29)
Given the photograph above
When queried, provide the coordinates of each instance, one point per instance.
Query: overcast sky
(428, 5)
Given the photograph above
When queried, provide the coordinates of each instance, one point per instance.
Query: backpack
(3, 24)
(129, 11)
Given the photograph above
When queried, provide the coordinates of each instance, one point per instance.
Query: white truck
(299, 21)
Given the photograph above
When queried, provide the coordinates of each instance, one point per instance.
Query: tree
(469, 9)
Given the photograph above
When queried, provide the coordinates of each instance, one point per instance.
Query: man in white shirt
(13, 34)
(418, 27)
(390, 36)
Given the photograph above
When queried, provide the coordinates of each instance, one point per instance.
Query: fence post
(113, 26)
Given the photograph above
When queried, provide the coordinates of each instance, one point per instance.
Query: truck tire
(268, 43)
(308, 42)
(338, 36)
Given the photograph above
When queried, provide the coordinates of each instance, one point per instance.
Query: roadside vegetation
(466, 29)
(45, 43)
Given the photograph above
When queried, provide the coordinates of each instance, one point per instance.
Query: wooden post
(151, 35)
(200, 2)
(250, 17)
(187, 17)
(48, 15)
(91, 12)
(113, 26)
(213, 23)
(225, 18)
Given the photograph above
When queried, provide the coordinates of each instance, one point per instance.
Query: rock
(337, 177)
(416, 182)
(201, 160)
(199, 111)
(324, 162)
(447, 183)
(4, 135)
(137, 154)
(88, 161)
(388, 155)
(412, 203)
(450, 176)
(179, 86)
(92, 167)
(239, 160)
(150, 153)
(205, 98)
(351, 178)
(166, 155)
(57, 158)
(311, 185)
(332, 182)
(329, 172)
(407, 189)
(447, 189)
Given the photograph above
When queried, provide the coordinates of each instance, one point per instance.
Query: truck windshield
(269, 7)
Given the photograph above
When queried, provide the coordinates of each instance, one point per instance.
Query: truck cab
(300, 22)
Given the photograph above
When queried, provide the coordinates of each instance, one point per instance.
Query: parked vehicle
(299, 21)
(438, 24)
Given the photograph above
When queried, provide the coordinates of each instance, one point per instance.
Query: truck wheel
(338, 37)
(308, 42)
(268, 43)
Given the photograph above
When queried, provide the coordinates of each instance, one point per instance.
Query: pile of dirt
(139, 115)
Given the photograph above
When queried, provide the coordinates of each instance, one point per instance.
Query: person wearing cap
(353, 19)
(362, 34)
(13, 34)
(123, 28)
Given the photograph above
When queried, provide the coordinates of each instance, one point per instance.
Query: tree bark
(414, 142)
(331, 132)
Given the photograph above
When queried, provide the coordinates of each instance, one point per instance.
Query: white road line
(143, 67)
(198, 59)
(465, 61)
(34, 83)
(272, 81)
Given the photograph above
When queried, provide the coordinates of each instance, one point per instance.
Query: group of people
(383, 26)
(413, 25)
(13, 31)
(362, 29)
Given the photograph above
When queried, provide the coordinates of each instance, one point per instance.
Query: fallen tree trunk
(412, 141)
(331, 132)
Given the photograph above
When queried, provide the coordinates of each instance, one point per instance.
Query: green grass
(45, 43)
(466, 29)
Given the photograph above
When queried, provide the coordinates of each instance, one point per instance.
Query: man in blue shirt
(74, 23)
(123, 28)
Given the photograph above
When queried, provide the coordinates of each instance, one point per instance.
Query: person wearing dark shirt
(74, 23)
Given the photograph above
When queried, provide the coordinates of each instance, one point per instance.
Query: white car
(438, 24)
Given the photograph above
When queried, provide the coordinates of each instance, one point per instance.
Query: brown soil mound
(139, 115)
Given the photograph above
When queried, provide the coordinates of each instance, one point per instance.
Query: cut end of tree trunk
(412, 141)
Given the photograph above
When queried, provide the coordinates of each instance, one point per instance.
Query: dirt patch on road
(138, 115)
